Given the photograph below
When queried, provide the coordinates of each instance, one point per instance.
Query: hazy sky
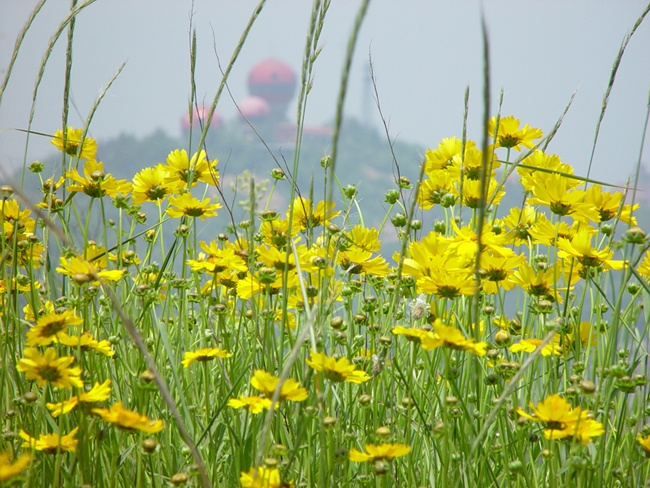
(425, 53)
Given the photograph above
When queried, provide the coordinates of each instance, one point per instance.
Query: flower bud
(149, 445)
(277, 174)
(392, 196)
(634, 235)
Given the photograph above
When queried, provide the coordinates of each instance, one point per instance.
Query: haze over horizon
(425, 54)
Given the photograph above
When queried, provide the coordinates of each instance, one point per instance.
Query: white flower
(419, 307)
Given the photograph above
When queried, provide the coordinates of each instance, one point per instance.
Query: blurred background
(425, 54)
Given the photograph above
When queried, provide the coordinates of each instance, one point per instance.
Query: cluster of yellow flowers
(302, 261)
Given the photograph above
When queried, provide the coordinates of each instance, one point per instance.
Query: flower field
(496, 347)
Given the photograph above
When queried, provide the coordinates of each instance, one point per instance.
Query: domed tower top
(275, 82)
(199, 117)
(254, 108)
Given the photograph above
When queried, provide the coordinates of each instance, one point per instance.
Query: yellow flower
(557, 193)
(544, 232)
(188, 206)
(128, 257)
(277, 232)
(496, 272)
(546, 163)
(530, 344)
(437, 189)
(98, 393)
(95, 183)
(453, 338)
(645, 444)
(337, 370)
(544, 283)
(182, 170)
(82, 271)
(518, 222)
(50, 443)
(73, 141)
(63, 408)
(470, 166)
(307, 216)
(46, 308)
(465, 243)
(48, 368)
(411, 333)
(8, 469)
(562, 421)
(19, 284)
(153, 185)
(471, 193)
(441, 157)
(272, 257)
(205, 354)
(554, 411)
(129, 420)
(610, 205)
(267, 383)
(579, 247)
(254, 404)
(644, 267)
(17, 235)
(218, 260)
(50, 327)
(509, 135)
(425, 255)
(585, 333)
(86, 342)
(15, 220)
(263, 478)
(358, 261)
(381, 452)
(364, 238)
(584, 430)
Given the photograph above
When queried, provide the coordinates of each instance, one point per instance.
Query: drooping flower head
(559, 194)
(530, 344)
(263, 478)
(383, 452)
(579, 247)
(86, 342)
(129, 420)
(412, 334)
(254, 404)
(267, 383)
(205, 354)
(610, 205)
(82, 271)
(448, 336)
(337, 370)
(98, 393)
(50, 443)
(95, 182)
(10, 469)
